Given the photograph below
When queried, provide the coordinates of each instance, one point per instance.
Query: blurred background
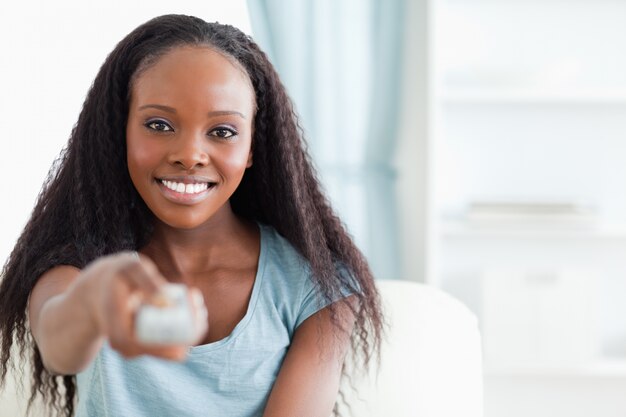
(473, 145)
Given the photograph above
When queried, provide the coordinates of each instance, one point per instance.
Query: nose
(189, 151)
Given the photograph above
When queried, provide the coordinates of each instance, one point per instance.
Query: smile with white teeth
(186, 188)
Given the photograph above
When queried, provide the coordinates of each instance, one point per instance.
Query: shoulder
(280, 254)
(291, 282)
(287, 272)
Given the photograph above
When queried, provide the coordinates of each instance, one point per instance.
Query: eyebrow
(211, 113)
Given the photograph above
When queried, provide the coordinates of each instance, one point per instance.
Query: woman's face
(189, 134)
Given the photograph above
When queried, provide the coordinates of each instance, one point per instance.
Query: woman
(188, 152)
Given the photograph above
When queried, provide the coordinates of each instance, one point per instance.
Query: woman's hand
(71, 311)
(114, 287)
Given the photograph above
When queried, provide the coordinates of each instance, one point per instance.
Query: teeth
(185, 188)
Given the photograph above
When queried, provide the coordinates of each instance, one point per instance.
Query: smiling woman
(186, 166)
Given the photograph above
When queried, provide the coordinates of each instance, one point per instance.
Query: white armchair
(431, 362)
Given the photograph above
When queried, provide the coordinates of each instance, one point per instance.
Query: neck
(213, 245)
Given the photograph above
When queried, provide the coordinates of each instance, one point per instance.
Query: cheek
(141, 157)
(141, 162)
(236, 162)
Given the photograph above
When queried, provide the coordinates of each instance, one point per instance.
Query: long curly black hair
(88, 206)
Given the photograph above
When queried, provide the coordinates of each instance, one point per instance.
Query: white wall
(50, 54)
(533, 103)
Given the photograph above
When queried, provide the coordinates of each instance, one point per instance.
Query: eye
(159, 126)
(223, 132)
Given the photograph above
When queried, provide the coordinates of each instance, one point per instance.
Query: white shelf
(530, 96)
(451, 229)
(602, 368)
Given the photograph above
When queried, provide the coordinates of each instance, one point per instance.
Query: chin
(181, 221)
(185, 225)
(190, 217)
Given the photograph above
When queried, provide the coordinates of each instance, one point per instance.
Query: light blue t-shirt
(231, 377)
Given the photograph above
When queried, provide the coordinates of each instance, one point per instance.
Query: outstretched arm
(308, 381)
(72, 312)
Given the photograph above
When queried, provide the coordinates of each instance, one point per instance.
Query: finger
(130, 349)
(142, 274)
(135, 299)
(148, 264)
(137, 278)
(124, 340)
(170, 352)
(120, 318)
(174, 353)
(127, 351)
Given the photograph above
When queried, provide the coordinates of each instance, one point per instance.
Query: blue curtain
(341, 62)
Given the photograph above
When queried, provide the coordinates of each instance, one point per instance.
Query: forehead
(198, 76)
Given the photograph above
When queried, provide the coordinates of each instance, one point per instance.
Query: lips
(185, 192)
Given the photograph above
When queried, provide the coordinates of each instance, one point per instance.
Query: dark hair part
(78, 217)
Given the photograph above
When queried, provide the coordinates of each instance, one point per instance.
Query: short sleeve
(312, 301)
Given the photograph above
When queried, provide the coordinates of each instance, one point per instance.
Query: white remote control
(171, 319)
